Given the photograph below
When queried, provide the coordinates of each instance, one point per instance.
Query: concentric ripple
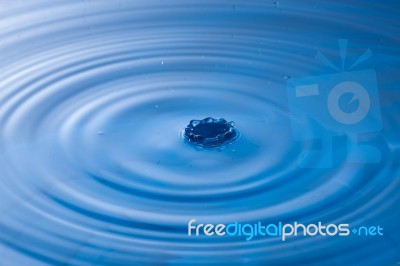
(95, 94)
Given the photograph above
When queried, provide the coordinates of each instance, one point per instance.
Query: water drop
(210, 132)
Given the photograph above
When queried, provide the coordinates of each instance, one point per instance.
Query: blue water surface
(94, 96)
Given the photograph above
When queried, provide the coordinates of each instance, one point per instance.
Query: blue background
(94, 96)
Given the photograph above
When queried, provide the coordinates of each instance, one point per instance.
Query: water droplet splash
(210, 132)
